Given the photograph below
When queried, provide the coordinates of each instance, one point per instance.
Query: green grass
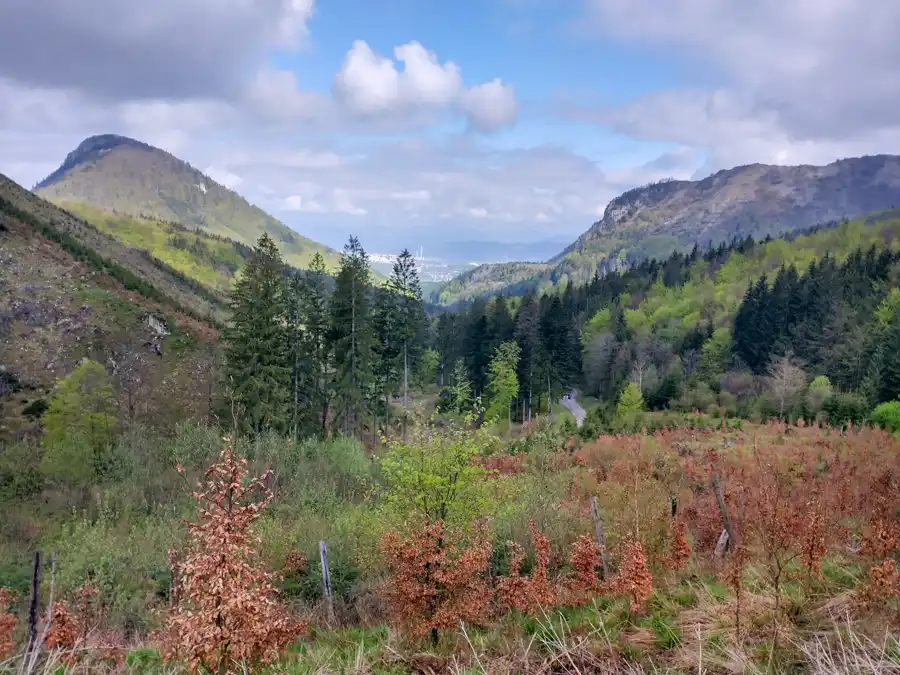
(212, 261)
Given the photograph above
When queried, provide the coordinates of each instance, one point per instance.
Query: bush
(887, 416)
(846, 407)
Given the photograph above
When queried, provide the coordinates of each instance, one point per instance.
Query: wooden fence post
(326, 579)
(727, 535)
(34, 604)
(601, 536)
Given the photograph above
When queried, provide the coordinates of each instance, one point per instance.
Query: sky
(427, 122)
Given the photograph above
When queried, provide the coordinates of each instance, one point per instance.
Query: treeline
(815, 337)
(306, 355)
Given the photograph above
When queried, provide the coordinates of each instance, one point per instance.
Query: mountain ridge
(657, 219)
(129, 177)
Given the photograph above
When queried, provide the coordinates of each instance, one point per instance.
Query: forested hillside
(654, 220)
(712, 328)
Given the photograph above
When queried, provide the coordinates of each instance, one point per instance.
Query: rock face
(755, 200)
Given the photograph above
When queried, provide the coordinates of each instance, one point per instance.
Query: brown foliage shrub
(884, 581)
(226, 612)
(8, 622)
(433, 583)
(583, 582)
(528, 594)
(634, 579)
(680, 551)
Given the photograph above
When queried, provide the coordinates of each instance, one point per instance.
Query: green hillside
(131, 178)
(213, 261)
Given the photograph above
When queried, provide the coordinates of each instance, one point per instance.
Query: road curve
(570, 402)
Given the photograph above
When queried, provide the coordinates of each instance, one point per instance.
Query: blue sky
(344, 116)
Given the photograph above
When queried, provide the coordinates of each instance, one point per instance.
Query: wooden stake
(326, 579)
(34, 604)
(728, 532)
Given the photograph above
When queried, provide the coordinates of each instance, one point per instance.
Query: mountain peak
(90, 149)
(131, 178)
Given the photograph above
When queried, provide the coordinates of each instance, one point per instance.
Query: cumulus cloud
(802, 81)
(371, 84)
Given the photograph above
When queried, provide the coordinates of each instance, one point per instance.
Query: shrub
(887, 416)
(433, 583)
(8, 622)
(225, 612)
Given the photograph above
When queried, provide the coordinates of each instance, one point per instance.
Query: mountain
(654, 220)
(69, 292)
(754, 200)
(131, 178)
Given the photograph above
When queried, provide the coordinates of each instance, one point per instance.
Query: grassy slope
(212, 261)
(142, 181)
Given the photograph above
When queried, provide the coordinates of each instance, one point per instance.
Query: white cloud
(801, 81)
(371, 84)
(490, 106)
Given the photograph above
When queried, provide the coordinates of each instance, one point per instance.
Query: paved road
(570, 401)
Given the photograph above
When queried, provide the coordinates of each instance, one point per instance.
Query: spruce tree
(352, 337)
(315, 318)
(256, 351)
(409, 317)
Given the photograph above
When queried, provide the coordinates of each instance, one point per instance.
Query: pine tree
(352, 337)
(299, 358)
(527, 335)
(314, 315)
(388, 347)
(410, 317)
(256, 352)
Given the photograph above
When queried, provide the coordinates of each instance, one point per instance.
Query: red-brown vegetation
(8, 622)
(226, 612)
(435, 583)
(528, 594)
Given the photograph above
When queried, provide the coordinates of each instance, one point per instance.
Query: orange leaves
(225, 609)
(8, 622)
(528, 594)
(583, 582)
(680, 551)
(634, 580)
(433, 583)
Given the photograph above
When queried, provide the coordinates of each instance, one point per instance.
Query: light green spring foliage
(461, 388)
(79, 425)
(818, 392)
(887, 416)
(429, 362)
(432, 478)
(631, 401)
(717, 293)
(889, 309)
(503, 382)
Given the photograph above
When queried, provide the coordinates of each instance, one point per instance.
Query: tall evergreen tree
(314, 315)
(527, 334)
(352, 337)
(409, 320)
(256, 351)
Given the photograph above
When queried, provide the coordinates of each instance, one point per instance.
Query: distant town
(435, 270)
